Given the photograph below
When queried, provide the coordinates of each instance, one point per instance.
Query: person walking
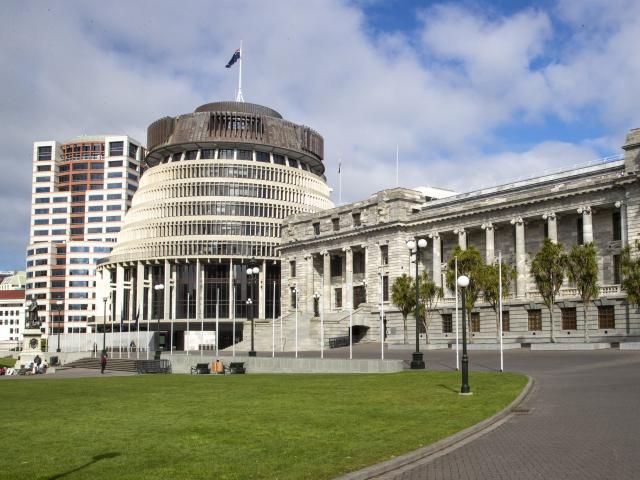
(103, 361)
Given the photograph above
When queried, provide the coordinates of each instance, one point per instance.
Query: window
(506, 324)
(245, 155)
(606, 316)
(43, 189)
(95, 208)
(78, 249)
(535, 320)
(94, 230)
(42, 200)
(356, 219)
(225, 154)
(617, 272)
(278, 159)
(41, 221)
(338, 297)
(41, 211)
(114, 218)
(80, 166)
(95, 219)
(116, 148)
(64, 210)
(112, 230)
(335, 222)
(385, 288)
(133, 149)
(58, 232)
(113, 207)
(177, 157)
(263, 157)
(59, 221)
(316, 228)
(474, 322)
(617, 226)
(44, 168)
(115, 163)
(78, 261)
(580, 240)
(384, 254)
(569, 318)
(190, 155)
(111, 186)
(292, 268)
(40, 251)
(114, 175)
(44, 153)
(43, 179)
(114, 196)
(447, 323)
(93, 198)
(207, 154)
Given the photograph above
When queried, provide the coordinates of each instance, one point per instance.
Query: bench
(237, 368)
(336, 342)
(201, 369)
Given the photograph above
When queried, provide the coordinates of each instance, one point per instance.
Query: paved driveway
(583, 421)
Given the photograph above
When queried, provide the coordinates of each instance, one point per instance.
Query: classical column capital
(487, 226)
(434, 235)
(364, 246)
(585, 210)
(459, 231)
(308, 255)
(517, 221)
(346, 249)
(549, 216)
(618, 204)
(324, 252)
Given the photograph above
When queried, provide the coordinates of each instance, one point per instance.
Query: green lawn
(233, 427)
(7, 362)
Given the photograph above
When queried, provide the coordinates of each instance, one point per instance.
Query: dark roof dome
(240, 107)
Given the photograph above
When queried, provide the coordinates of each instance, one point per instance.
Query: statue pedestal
(30, 347)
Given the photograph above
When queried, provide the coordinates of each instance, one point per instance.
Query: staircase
(123, 365)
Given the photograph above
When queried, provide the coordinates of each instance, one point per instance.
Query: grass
(234, 427)
(7, 362)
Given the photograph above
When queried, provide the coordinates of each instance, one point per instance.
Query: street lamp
(414, 246)
(158, 288)
(252, 272)
(59, 304)
(104, 325)
(463, 283)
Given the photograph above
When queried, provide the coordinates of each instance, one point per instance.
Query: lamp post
(104, 325)
(158, 288)
(252, 272)
(414, 246)
(59, 309)
(463, 283)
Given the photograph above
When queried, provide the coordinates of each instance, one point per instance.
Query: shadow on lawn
(446, 387)
(96, 458)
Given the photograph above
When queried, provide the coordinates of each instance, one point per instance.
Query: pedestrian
(103, 361)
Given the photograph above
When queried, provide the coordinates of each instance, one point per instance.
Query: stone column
(587, 224)
(132, 307)
(262, 282)
(437, 260)
(119, 292)
(347, 295)
(231, 298)
(521, 260)
(462, 238)
(309, 283)
(149, 296)
(139, 307)
(490, 247)
(326, 278)
(174, 292)
(623, 222)
(552, 226)
(166, 294)
(199, 296)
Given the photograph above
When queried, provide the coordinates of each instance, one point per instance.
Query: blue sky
(502, 88)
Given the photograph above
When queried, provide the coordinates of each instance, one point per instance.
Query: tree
(471, 264)
(430, 295)
(630, 266)
(491, 288)
(548, 269)
(582, 269)
(403, 296)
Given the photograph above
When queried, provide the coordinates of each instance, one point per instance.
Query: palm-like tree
(491, 288)
(471, 264)
(548, 269)
(403, 296)
(430, 295)
(630, 266)
(582, 269)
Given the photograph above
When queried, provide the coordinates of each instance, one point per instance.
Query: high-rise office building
(81, 192)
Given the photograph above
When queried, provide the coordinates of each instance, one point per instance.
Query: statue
(33, 321)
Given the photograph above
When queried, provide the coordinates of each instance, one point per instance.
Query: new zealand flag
(234, 58)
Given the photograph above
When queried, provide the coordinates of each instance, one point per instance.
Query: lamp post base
(252, 353)
(417, 362)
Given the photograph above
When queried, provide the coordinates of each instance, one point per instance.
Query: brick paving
(583, 421)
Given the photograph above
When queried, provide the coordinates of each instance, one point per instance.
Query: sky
(472, 93)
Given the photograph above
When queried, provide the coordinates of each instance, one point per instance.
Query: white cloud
(70, 68)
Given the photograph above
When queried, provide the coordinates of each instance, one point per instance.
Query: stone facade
(362, 247)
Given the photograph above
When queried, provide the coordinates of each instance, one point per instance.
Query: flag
(339, 167)
(235, 57)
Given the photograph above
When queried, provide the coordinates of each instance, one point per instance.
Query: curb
(443, 446)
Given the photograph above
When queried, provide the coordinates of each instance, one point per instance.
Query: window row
(231, 154)
(182, 229)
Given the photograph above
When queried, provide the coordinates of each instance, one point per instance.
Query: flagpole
(239, 97)
(138, 331)
(457, 345)
(129, 336)
(500, 307)
(120, 337)
(340, 182)
(381, 318)
(273, 324)
(186, 341)
(217, 317)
